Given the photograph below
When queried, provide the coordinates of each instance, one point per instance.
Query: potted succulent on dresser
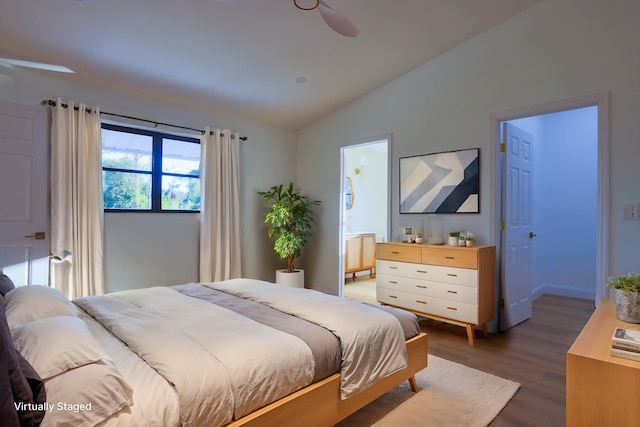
(290, 217)
(454, 238)
(468, 240)
(626, 289)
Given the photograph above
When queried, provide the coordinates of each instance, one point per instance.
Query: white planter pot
(295, 279)
(453, 241)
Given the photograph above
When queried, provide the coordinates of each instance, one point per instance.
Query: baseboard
(563, 291)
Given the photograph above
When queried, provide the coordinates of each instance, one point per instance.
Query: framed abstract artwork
(447, 182)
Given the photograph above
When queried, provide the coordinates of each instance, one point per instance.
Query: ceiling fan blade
(337, 21)
(36, 65)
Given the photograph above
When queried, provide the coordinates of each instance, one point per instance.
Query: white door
(24, 194)
(517, 233)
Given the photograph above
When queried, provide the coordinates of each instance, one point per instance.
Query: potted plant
(454, 237)
(626, 288)
(468, 240)
(289, 218)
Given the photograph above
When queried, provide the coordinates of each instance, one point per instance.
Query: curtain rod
(51, 102)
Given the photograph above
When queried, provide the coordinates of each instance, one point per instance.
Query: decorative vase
(434, 230)
(469, 243)
(627, 306)
(295, 279)
(453, 241)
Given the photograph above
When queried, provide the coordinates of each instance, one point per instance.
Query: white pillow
(27, 303)
(86, 396)
(57, 344)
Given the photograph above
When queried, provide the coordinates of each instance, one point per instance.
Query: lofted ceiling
(242, 57)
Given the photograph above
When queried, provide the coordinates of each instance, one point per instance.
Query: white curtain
(76, 200)
(219, 206)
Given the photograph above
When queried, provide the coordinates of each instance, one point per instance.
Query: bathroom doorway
(364, 214)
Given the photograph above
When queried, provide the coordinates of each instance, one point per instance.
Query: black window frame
(156, 172)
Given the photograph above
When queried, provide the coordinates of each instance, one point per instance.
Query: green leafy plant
(454, 233)
(290, 218)
(626, 282)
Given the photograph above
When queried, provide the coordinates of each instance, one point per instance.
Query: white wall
(162, 249)
(556, 50)
(369, 211)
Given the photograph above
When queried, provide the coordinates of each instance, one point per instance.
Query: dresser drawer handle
(395, 252)
(393, 268)
(449, 257)
(421, 286)
(452, 308)
(393, 296)
(452, 292)
(393, 282)
(452, 275)
(421, 271)
(421, 302)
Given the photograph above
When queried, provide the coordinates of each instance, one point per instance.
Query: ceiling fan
(334, 19)
(11, 62)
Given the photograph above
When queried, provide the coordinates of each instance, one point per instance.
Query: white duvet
(206, 353)
(372, 341)
(193, 363)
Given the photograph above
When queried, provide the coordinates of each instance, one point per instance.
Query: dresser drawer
(400, 283)
(403, 299)
(444, 291)
(463, 258)
(403, 269)
(454, 310)
(458, 276)
(405, 253)
(429, 305)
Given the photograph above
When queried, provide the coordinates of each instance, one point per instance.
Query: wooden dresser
(360, 253)
(451, 284)
(602, 390)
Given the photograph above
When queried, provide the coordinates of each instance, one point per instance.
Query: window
(144, 170)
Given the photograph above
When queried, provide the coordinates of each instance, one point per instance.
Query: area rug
(450, 394)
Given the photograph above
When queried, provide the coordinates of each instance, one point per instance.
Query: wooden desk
(602, 390)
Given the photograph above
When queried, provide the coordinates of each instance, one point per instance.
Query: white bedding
(372, 341)
(207, 353)
(177, 360)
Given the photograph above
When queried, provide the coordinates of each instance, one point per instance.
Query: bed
(240, 352)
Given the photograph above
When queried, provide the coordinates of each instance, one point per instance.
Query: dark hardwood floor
(532, 353)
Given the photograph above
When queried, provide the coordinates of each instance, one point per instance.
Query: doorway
(569, 175)
(364, 214)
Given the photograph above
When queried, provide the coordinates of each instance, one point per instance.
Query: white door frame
(600, 100)
(341, 215)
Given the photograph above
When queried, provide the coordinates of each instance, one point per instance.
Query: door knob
(532, 234)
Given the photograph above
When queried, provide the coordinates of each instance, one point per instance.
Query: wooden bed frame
(320, 403)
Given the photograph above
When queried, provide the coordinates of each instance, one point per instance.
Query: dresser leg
(470, 334)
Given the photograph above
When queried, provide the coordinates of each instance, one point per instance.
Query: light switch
(630, 212)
